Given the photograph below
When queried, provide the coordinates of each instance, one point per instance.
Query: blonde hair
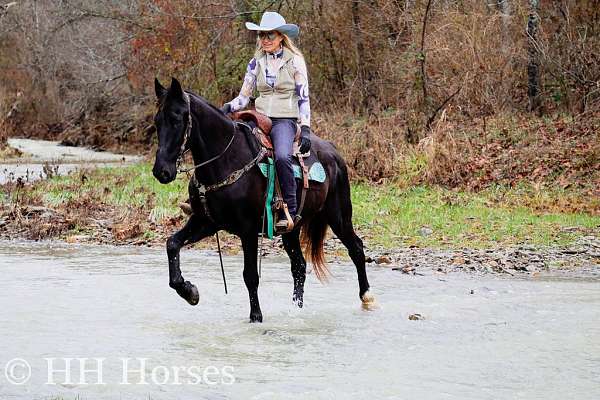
(286, 42)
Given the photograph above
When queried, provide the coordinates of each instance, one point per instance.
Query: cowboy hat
(272, 21)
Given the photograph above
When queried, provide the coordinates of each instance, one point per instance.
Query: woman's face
(270, 41)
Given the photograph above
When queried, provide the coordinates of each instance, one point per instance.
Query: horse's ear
(175, 89)
(159, 89)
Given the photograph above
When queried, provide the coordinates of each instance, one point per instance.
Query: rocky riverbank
(583, 258)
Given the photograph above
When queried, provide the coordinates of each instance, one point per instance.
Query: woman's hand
(226, 109)
(304, 139)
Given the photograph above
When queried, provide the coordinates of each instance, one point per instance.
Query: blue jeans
(283, 133)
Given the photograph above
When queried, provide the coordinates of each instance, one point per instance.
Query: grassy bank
(128, 205)
(436, 217)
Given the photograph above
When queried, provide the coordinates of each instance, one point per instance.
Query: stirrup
(287, 224)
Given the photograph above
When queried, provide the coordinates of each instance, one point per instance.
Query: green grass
(386, 216)
(128, 187)
(392, 217)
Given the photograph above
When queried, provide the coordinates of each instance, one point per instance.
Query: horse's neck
(211, 128)
(211, 134)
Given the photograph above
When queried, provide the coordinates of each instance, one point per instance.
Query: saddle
(261, 126)
(264, 125)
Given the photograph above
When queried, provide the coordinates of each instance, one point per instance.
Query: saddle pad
(316, 172)
(268, 170)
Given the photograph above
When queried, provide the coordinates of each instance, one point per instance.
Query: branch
(85, 13)
(114, 78)
(4, 7)
(195, 17)
(7, 6)
(422, 52)
(437, 110)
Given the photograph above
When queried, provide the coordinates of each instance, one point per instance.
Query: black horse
(219, 148)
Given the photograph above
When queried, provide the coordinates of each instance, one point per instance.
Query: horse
(220, 150)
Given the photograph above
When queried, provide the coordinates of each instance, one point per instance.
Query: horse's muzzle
(164, 174)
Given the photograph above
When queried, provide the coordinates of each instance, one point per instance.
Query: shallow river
(60, 159)
(482, 337)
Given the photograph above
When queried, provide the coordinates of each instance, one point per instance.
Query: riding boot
(186, 207)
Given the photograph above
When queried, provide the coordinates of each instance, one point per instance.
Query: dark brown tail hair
(313, 236)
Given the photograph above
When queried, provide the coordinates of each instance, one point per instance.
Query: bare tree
(364, 57)
(533, 65)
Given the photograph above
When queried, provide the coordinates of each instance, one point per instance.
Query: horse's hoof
(193, 295)
(298, 300)
(188, 291)
(255, 317)
(368, 301)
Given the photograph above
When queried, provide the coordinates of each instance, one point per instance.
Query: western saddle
(264, 125)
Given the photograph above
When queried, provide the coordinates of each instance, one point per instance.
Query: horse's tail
(313, 237)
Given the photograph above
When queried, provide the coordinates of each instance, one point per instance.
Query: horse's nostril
(162, 173)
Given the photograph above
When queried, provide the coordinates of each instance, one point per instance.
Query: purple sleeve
(301, 81)
(242, 100)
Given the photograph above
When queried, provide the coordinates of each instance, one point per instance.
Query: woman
(278, 72)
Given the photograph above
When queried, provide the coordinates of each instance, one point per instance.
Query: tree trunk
(422, 78)
(533, 66)
(505, 12)
(364, 62)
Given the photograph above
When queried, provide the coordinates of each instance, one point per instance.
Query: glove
(304, 139)
(226, 109)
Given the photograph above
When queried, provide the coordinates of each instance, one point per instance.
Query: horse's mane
(201, 99)
(161, 102)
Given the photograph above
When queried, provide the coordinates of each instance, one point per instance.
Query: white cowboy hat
(272, 21)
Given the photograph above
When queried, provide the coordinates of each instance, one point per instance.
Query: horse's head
(171, 121)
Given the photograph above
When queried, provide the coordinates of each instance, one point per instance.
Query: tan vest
(281, 100)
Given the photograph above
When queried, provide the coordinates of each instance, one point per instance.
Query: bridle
(188, 131)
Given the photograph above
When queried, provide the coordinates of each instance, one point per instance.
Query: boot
(186, 207)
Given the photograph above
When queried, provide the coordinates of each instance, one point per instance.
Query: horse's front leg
(250, 246)
(194, 230)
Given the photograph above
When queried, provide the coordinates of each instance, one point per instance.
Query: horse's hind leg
(345, 232)
(194, 230)
(291, 243)
(339, 218)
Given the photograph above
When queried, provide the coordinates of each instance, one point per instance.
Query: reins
(202, 164)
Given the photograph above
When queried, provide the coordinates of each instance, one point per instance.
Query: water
(61, 159)
(47, 150)
(511, 339)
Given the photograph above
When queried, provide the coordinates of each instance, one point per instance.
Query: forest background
(461, 93)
